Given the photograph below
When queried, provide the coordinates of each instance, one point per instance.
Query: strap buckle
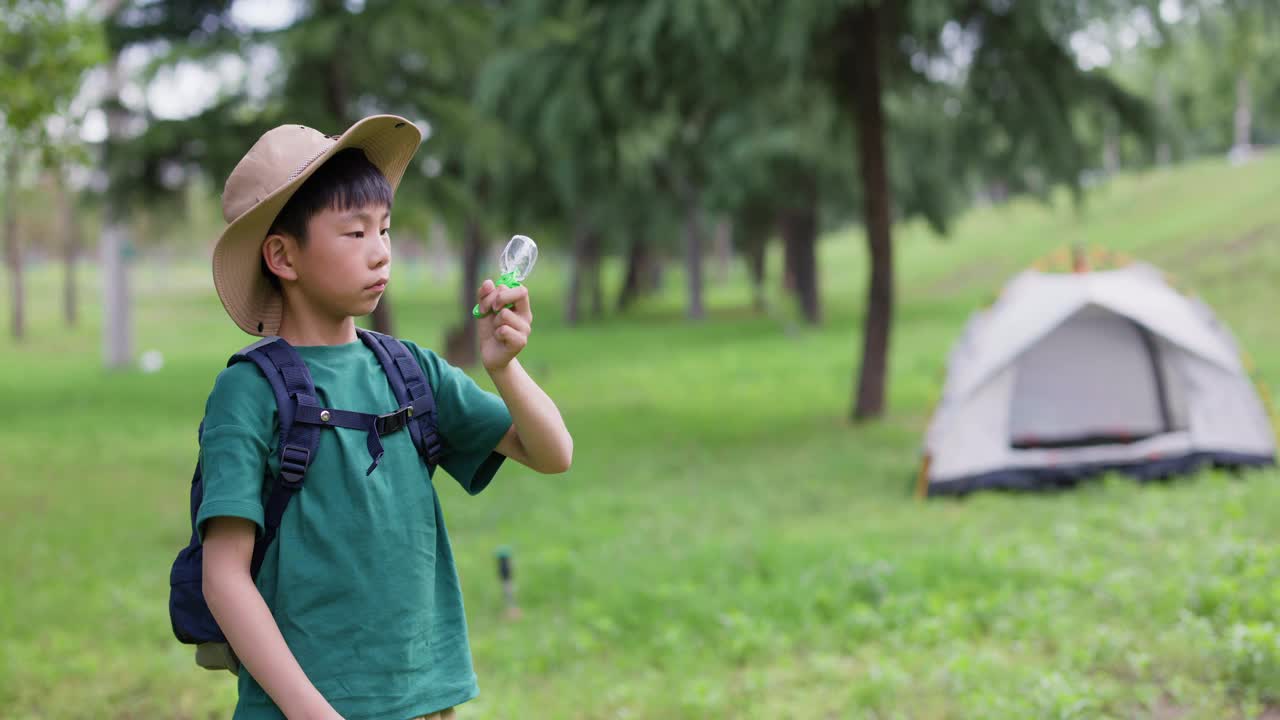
(293, 463)
(393, 421)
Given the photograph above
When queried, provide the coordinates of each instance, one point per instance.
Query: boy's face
(343, 268)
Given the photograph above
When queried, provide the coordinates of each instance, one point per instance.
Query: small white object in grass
(151, 361)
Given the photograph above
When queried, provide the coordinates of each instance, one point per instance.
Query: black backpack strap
(293, 388)
(412, 389)
(374, 426)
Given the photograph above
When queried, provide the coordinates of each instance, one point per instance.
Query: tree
(44, 50)
(117, 305)
(779, 154)
(622, 96)
(13, 253)
(1012, 61)
(69, 229)
(1243, 34)
(683, 61)
(556, 87)
(1201, 68)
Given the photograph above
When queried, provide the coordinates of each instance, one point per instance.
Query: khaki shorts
(442, 715)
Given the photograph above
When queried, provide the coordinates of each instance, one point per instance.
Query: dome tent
(1067, 376)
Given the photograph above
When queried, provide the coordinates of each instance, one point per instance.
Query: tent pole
(922, 482)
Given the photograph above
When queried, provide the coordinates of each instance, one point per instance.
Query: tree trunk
(869, 113)
(597, 285)
(461, 347)
(788, 272)
(572, 312)
(654, 274)
(693, 253)
(70, 246)
(13, 254)
(799, 227)
(117, 324)
(1164, 107)
(756, 250)
(637, 272)
(1110, 148)
(1243, 114)
(754, 235)
(755, 223)
(117, 321)
(722, 246)
(586, 253)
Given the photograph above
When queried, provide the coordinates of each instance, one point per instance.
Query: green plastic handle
(508, 279)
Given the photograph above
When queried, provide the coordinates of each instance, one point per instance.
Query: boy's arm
(538, 437)
(246, 621)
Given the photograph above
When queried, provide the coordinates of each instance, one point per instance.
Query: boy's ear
(278, 252)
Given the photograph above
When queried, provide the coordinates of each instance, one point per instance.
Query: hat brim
(389, 142)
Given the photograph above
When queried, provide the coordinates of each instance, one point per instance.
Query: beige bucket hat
(260, 185)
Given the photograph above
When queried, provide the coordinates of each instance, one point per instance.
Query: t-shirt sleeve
(238, 436)
(471, 420)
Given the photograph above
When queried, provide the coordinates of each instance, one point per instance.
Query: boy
(356, 612)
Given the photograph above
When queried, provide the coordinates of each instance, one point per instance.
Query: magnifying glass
(516, 263)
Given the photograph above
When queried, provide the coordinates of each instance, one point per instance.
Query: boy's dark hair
(347, 181)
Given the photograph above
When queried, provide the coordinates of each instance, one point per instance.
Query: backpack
(301, 421)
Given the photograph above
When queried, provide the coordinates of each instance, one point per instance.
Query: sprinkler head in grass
(506, 575)
(515, 263)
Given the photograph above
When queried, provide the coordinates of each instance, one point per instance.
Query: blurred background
(762, 228)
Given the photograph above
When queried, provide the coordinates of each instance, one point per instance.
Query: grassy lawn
(726, 545)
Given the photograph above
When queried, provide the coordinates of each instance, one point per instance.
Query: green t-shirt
(361, 578)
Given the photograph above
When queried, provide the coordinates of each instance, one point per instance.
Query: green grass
(726, 544)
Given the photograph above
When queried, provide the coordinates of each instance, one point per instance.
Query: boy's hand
(504, 334)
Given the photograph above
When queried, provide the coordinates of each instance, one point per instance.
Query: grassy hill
(726, 545)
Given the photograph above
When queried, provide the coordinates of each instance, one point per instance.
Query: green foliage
(1028, 105)
(563, 113)
(1193, 70)
(415, 59)
(619, 101)
(203, 24)
(44, 51)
